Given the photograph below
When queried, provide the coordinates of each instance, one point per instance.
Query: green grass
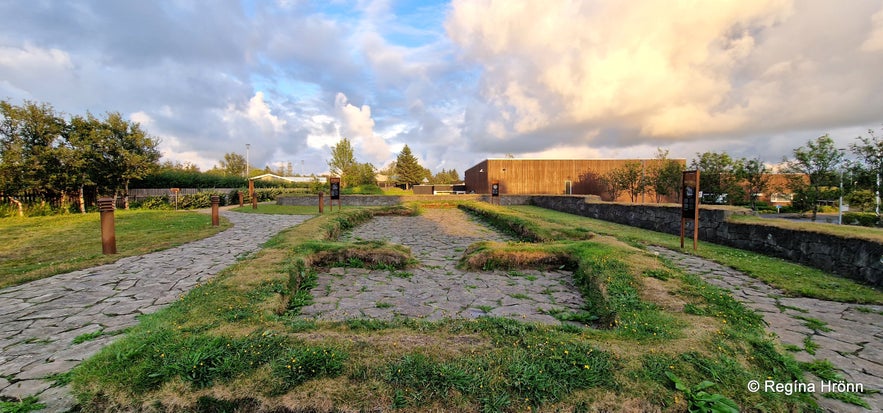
(847, 231)
(39, 247)
(28, 404)
(794, 279)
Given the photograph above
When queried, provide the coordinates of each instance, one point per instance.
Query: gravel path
(39, 320)
(436, 288)
(854, 344)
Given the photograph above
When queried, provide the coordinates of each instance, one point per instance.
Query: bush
(865, 219)
(369, 189)
(153, 202)
(200, 200)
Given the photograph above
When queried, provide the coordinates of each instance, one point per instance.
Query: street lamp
(247, 148)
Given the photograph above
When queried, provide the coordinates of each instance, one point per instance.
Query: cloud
(643, 72)
(358, 125)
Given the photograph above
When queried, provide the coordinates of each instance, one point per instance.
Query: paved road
(39, 320)
(854, 344)
(436, 288)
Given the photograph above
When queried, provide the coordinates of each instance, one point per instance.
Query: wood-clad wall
(549, 176)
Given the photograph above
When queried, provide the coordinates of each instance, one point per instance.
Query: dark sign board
(335, 188)
(690, 195)
(495, 189)
(690, 206)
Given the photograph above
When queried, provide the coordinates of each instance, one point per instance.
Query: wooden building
(551, 176)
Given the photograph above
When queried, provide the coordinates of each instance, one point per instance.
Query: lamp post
(247, 148)
(840, 207)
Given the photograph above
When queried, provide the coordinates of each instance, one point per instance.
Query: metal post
(840, 207)
(108, 235)
(216, 200)
(321, 202)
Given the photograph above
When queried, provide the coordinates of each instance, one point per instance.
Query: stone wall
(858, 259)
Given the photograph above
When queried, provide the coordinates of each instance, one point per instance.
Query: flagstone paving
(436, 289)
(854, 343)
(40, 320)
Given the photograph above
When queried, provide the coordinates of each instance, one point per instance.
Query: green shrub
(865, 219)
(153, 202)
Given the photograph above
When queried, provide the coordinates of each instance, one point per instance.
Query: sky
(457, 81)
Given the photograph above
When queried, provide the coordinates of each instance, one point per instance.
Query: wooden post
(241, 198)
(254, 199)
(108, 231)
(321, 202)
(216, 200)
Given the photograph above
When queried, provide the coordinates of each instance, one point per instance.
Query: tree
(233, 164)
(718, 180)
(870, 153)
(127, 153)
(629, 178)
(408, 170)
(818, 160)
(363, 174)
(343, 161)
(756, 177)
(665, 176)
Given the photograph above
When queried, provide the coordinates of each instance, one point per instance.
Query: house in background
(552, 176)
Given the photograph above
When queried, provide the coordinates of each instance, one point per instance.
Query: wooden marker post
(108, 231)
(254, 199)
(690, 205)
(241, 198)
(216, 220)
(321, 202)
(175, 191)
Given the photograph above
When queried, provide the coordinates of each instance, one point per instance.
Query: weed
(28, 404)
(814, 324)
(82, 338)
(402, 274)
(810, 346)
(519, 296)
(783, 307)
(383, 304)
(700, 400)
(303, 363)
(486, 308)
(659, 274)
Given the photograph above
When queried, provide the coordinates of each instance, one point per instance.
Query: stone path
(40, 320)
(854, 344)
(436, 288)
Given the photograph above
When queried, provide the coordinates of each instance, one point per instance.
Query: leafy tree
(233, 164)
(343, 161)
(446, 177)
(818, 160)
(363, 174)
(408, 170)
(125, 153)
(29, 137)
(628, 178)
(718, 180)
(665, 176)
(870, 153)
(756, 177)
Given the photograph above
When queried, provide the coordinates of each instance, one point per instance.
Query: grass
(793, 279)
(846, 231)
(237, 343)
(39, 247)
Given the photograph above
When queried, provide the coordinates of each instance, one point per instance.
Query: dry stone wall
(861, 260)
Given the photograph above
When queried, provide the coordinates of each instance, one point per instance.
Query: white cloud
(874, 42)
(358, 125)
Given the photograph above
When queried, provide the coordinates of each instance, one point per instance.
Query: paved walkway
(39, 320)
(854, 344)
(436, 288)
